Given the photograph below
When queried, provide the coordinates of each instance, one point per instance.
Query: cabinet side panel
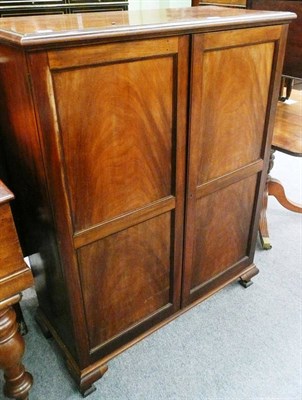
(25, 171)
(26, 178)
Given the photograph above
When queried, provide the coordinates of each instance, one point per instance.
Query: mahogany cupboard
(138, 167)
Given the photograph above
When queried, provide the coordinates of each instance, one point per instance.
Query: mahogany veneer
(139, 170)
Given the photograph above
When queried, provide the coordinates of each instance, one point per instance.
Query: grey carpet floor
(240, 344)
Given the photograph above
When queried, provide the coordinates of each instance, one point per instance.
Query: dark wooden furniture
(224, 3)
(293, 54)
(287, 138)
(10, 8)
(140, 186)
(15, 276)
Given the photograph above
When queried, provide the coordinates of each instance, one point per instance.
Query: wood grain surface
(222, 230)
(288, 126)
(143, 148)
(226, 146)
(63, 29)
(126, 277)
(235, 117)
(128, 138)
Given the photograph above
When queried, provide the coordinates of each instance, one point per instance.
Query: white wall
(153, 4)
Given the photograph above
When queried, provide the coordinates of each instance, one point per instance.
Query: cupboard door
(231, 85)
(119, 115)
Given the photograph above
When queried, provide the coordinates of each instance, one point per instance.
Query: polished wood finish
(214, 248)
(151, 272)
(287, 133)
(63, 30)
(15, 276)
(287, 139)
(288, 126)
(137, 164)
(153, 179)
(293, 54)
(275, 188)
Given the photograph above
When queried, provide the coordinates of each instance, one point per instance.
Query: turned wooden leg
(276, 189)
(17, 381)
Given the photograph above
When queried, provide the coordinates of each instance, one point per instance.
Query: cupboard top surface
(51, 29)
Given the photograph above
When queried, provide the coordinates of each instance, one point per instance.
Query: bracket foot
(245, 279)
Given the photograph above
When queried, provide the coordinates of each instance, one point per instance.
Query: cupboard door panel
(126, 278)
(231, 83)
(116, 128)
(119, 156)
(232, 131)
(222, 229)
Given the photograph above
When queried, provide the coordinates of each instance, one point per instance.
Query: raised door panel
(118, 157)
(222, 232)
(231, 81)
(115, 124)
(126, 277)
(231, 134)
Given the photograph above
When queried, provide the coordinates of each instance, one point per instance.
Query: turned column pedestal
(17, 380)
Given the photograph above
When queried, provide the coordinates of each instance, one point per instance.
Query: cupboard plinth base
(85, 378)
(245, 279)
